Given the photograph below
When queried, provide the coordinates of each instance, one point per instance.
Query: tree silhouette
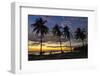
(57, 32)
(79, 34)
(67, 34)
(41, 29)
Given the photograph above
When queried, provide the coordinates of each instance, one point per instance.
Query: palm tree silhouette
(41, 29)
(57, 32)
(67, 34)
(79, 34)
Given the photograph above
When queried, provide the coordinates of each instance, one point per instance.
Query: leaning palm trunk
(60, 45)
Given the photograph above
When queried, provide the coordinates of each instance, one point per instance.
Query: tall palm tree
(67, 34)
(57, 32)
(79, 34)
(41, 29)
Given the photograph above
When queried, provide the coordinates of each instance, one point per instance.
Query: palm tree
(41, 29)
(57, 32)
(79, 34)
(67, 34)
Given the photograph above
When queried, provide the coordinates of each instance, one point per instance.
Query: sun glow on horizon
(47, 47)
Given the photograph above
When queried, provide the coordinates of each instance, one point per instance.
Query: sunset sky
(72, 22)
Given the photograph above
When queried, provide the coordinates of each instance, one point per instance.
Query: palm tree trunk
(83, 42)
(60, 44)
(70, 45)
(41, 46)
